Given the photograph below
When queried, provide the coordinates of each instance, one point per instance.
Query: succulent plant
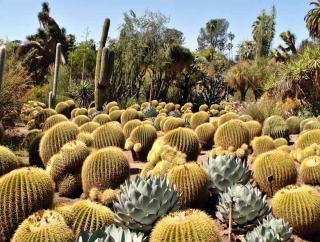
(106, 197)
(101, 119)
(313, 124)
(141, 140)
(171, 123)
(23, 191)
(299, 206)
(129, 126)
(308, 138)
(142, 201)
(245, 118)
(304, 121)
(276, 127)
(105, 168)
(89, 127)
(188, 226)
(254, 128)
(116, 115)
(112, 233)
(42, 116)
(109, 105)
(53, 120)
(85, 138)
(175, 113)
(227, 117)
(81, 119)
(270, 230)
(262, 144)
(44, 225)
(91, 111)
(63, 108)
(55, 138)
(108, 135)
(205, 133)
(128, 115)
(184, 140)
(8, 160)
(33, 151)
(310, 170)
(90, 216)
(81, 111)
(248, 204)
(199, 118)
(226, 171)
(274, 170)
(293, 124)
(70, 185)
(233, 134)
(280, 142)
(150, 112)
(191, 182)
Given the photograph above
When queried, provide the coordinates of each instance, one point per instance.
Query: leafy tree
(39, 52)
(263, 30)
(312, 20)
(281, 53)
(246, 50)
(214, 35)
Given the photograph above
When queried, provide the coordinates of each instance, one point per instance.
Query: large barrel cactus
(191, 182)
(81, 119)
(233, 134)
(128, 115)
(102, 119)
(226, 171)
(55, 138)
(105, 168)
(53, 120)
(22, 192)
(129, 126)
(293, 124)
(308, 138)
(172, 123)
(262, 144)
(254, 128)
(153, 198)
(189, 226)
(199, 118)
(227, 117)
(8, 160)
(108, 135)
(276, 127)
(89, 127)
(274, 170)
(310, 170)
(205, 133)
(299, 206)
(44, 225)
(249, 206)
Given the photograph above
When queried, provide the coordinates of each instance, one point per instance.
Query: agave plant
(150, 112)
(248, 205)
(142, 201)
(112, 233)
(225, 171)
(270, 230)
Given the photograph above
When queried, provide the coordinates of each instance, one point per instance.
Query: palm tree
(229, 46)
(312, 20)
(246, 50)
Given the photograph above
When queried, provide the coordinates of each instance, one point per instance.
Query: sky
(18, 18)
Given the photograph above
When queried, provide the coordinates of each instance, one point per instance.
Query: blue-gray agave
(249, 206)
(142, 201)
(150, 112)
(175, 113)
(226, 171)
(271, 230)
(112, 233)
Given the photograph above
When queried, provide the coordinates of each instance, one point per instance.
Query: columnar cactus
(299, 206)
(2, 63)
(53, 96)
(105, 168)
(189, 226)
(33, 190)
(104, 67)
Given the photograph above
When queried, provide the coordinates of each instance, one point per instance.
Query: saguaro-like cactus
(104, 66)
(53, 94)
(2, 62)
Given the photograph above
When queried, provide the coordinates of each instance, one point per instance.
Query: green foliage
(249, 205)
(105, 168)
(247, 50)
(153, 199)
(82, 92)
(277, 164)
(299, 206)
(32, 187)
(312, 20)
(188, 226)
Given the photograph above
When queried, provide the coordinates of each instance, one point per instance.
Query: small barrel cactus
(280, 142)
(199, 118)
(203, 107)
(191, 182)
(227, 117)
(116, 115)
(254, 128)
(299, 206)
(153, 198)
(70, 185)
(108, 135)
(106, 197)
(44, 225)
(312, 124)
(81, 111)
(63, 108)
(55, 138)
(8, 160)
(308, 138)
(86, 138)
(53, 120)
(22, 192)
(90, 216)
(233, 133)
(81, 119)
(276, 127)
(42, 116)
(34, 154)
(270, 230)
(109, 105)
(172, 123)
(112, 233)
(226, 171)
(274, 170)
(89, 127)
(105, 168)
(245, 118)
(205, 133)
(310, 170)
(189, 226)
(248, 204)
(129, 126)
(128, 115)
(293, 124)
(102, 119)
(262, 144)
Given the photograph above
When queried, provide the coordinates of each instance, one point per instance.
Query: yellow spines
(53, 120)
(128, 115)
(275, 163)
(116, 115)
(101, 119)
(262, 144)
(110, 105)
(203, 107)
(310, 170)
(108, 135)
(8, 160)
(308, 138)
(199, 118)
(171, 123)
(81, 119)
(254, 128)
(205, 133)
(105, 197)
(86, 138)
(280, 142)
(227, 117)
(129, 126)
(89, 127)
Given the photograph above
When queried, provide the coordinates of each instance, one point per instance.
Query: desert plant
(53, 93)
(42, 116)
(101, 119)
(128, 115)
(307, 138)
(227, 117)
(172, 123)
(254, 128)
(89, 127)
(108, 135)
(129, 126)
(33, 151)
(309, 170)
(199, 118)
(276, 127)
(53, 120)
(205, 133)
(293, 124)
(8, 160)
(262, 144)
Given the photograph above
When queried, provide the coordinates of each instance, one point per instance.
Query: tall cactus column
(53, 93)
(104, 67)
(2, 63)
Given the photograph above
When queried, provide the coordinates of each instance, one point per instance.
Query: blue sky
(18, 18)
